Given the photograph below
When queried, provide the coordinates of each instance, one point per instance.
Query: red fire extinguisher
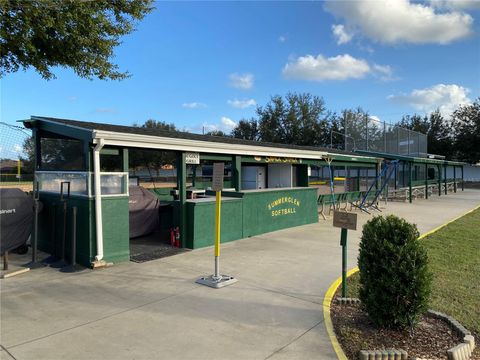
(177, 237)
(172, 237)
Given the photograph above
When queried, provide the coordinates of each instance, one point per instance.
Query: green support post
(395, 177)
(439, 168)
(358, 179)
(454, 178)
(376, 177)
(462, 178)
(125, 159)
(445, 177)
(426, 181)
(125, 164)
(410, 181)
(88, 156)
(237, 172)
(182, 196)
(194, 175)
(38, 157)
(343, 242)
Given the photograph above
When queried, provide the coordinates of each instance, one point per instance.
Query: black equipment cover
(16, 218)
(143, 207)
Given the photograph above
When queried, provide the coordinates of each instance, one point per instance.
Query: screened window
(61, 154)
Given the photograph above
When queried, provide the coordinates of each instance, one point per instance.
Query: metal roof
(412, 159)
(133, 136)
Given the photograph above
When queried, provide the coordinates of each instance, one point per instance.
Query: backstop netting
(366, 133)
(16, 157)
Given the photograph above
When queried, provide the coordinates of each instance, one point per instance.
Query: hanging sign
(192, 158)
(217, 181)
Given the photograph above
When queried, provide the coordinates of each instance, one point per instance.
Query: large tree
(246, 129)
(298, 119)
(80, 35)
(466, 122)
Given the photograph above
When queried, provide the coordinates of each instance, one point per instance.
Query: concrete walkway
(155, 310)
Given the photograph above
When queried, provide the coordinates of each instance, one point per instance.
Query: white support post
(98, 203)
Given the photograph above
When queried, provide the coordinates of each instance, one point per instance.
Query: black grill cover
(143, 207)
(16, 218)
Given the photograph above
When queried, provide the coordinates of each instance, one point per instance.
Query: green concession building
(90, 166)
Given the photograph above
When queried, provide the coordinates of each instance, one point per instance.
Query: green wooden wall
(115, 227)
(201, 222)
(251, 213)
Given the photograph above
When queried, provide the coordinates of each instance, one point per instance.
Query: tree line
(302, 119)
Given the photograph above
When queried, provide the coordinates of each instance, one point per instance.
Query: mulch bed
(354, 330)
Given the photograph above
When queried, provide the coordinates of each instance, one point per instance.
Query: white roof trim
(168, 143)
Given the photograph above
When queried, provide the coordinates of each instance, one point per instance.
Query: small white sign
(217, 181)
(192, 158)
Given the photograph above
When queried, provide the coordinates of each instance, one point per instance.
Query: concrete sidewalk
(155, 310)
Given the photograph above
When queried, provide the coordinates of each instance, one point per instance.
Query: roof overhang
(412, 159)
(166, 143)
(124, 139)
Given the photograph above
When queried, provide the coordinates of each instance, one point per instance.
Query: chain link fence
(366, 133)
(16, 157)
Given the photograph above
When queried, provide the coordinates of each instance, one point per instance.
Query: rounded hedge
(394, 278)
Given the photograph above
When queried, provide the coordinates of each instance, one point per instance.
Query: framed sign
(217, 181)
(192, 158)
(345, 220)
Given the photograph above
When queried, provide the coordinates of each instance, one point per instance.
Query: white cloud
(228, 123)
(446, 98)
(282, 38)
(341, 34)
(242, 104)
(384, 72)
(18, 148)
(455, 4)
(400, 21)
(319, 68)
(241, 81)
(194, 105)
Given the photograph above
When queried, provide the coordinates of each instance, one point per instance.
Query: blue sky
(206, 64)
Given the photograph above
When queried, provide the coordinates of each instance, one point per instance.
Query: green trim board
(410, 158)
(341, 160)
(215, 157)
(62, 129)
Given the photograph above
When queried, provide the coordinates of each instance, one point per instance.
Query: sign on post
(346, 221)
(217, 181)
(192, 158)
(217, 280)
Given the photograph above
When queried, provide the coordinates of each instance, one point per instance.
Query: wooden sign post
(346, 221)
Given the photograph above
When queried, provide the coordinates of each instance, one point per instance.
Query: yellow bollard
(218, 205)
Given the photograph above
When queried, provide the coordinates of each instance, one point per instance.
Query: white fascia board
(176, 144)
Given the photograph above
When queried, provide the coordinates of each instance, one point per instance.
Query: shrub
(394, 279)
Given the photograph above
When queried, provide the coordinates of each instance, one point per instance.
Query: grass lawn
(454, 254)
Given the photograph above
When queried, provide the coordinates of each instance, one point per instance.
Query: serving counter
(250, 212)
